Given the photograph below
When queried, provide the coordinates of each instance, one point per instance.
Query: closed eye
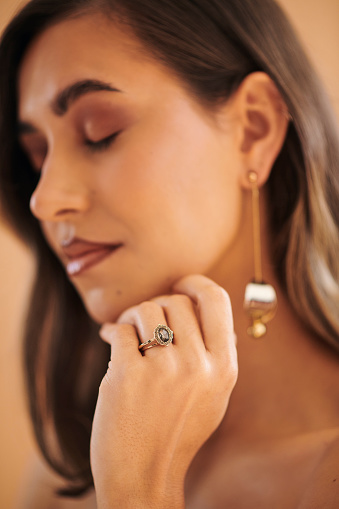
(101, 145)
(36, 154)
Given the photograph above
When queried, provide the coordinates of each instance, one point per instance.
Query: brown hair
(211, 45)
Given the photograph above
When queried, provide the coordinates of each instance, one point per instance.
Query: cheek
(204, 223)
(184, 204)
(171, 166)
(197, 194)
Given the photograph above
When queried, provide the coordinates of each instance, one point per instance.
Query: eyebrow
(70, 94)
(64, 99)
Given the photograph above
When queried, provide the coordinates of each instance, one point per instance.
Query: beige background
(318, 24)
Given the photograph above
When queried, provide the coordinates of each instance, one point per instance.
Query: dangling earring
(260, 298)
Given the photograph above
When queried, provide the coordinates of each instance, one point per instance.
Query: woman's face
(138, 182)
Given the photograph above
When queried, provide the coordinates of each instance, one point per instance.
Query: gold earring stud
(260, 301)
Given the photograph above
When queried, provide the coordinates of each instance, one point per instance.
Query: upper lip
(79, 247)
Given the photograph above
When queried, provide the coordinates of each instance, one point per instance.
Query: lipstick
(82, 255)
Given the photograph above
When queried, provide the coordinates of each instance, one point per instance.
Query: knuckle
(180, 300)
(110, 331)
(195, 279)
(148, 308)
(125, 316)
(187, 279)
(232, 373)
(217, 293)
(226, 368)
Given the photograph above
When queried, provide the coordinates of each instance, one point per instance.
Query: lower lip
(79, 265)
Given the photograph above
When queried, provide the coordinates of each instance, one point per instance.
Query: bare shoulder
(37, 490)
(323, 487)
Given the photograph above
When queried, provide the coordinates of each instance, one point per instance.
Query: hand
(155, 410)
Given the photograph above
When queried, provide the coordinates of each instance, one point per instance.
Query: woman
(139, 135)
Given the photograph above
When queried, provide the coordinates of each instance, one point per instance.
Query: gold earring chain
(253, 178)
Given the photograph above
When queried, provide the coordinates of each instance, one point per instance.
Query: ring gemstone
(163, 335)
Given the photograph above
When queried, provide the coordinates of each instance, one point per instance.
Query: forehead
(88, 47)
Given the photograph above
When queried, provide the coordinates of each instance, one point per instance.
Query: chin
(106, 307)
(103, 312)
(101, 317)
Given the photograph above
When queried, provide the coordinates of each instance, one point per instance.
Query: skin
(173, 189)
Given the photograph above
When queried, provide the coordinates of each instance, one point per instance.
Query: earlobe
(264, 121)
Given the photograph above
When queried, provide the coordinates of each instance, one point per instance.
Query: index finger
(214, 310)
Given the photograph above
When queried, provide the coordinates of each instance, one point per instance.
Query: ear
(263, 120)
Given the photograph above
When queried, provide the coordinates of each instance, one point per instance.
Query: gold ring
(163, 336)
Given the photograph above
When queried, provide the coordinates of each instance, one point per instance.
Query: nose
(62, 190)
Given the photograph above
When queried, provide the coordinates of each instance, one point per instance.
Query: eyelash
(93, 146)
(101, 145)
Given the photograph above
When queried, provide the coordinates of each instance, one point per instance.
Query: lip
(81, 255)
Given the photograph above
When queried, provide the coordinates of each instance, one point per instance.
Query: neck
(284, 377)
